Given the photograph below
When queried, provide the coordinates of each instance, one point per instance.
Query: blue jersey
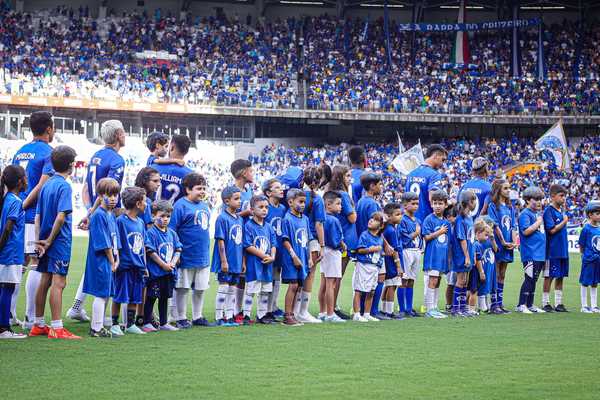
(367, 239)
(147, 215)
(132, 234)
(296, 231)
(421, 181)
(229, 229)
(357, 189)
(171, 181)
(484, 253)
(482, 189)
(533, 247)
(12, 210)
(275, 218)
(436, 250)
(98, 277)
(349, 229)
(105, 163)
(55, 197)
(34, 157)
(557, 244)
(364, 210)
(245, 197)
(262, 237)
(334, 235)
(151, 159)
(191, 222)
(463, 230)
(316, 212)
(407, 228)
(390, 234)
(504, 218)
(589, 242)
(165, 244)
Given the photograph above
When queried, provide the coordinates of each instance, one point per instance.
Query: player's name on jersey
(418, 179)
(170, 178)
(25, 156)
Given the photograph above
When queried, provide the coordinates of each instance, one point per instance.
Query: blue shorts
(557, 268)
(590, 273)
(462, 268)
(289, 273)
(160, 286)
(129, 286)
(51, 265)
(504, 255)
(228, 278)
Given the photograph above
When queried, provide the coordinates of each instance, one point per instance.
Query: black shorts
(474, 281)
(300, 282)
(160, 287)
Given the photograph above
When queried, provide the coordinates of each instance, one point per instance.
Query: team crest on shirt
(276, 224)
(261, 243)
(375, 257)
(415, 188)
(506, 222)
(596, 243)
(302, 237)
(443, 237)
(541, 228)
(201, 218)
(235, 234)
(165, 251)
(135, 240)
(471, 235)
(488, 256)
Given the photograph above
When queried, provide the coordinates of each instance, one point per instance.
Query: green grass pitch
(550, 356)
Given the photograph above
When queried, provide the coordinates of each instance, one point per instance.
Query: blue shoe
(202, 322)
(231, 322)
(183, 324)
(382, 316)
(399, 316)
(414, 314)
(222, 322)
(278, 314)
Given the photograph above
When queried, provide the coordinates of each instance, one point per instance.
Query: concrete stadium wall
(243, 150)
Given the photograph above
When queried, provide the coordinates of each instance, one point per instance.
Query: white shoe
(359, 318)
(371, 318)
(535, 309)
(168, 327)
(16, 322)
(586, 310)
(12, 335)
(80, 315)
(596, 310)
(523, 309)
(334, 318)
(308, 319)
(116, 330)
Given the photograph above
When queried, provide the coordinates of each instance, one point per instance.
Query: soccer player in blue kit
(171, 175)
(358, 162)
(479, 185)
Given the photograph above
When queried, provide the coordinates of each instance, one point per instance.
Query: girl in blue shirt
(463, 251)
(148, 179)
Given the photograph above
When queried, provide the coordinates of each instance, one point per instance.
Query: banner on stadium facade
(480, 26)
(405, 162)
(521, 169)
(555, 143)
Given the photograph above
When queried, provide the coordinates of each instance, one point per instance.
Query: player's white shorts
(11, 273)
(451, 278)
(331, 264)
(314, 246)
(412, 263)
(364, 278)
(256, 287)
(199, 277)
(432, 272)
(396, 281)
(29, 238)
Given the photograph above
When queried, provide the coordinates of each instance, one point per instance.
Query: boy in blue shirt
(102, 258)
(227, 255)
(163, 250)
(393, 263)
(412, 244)
(296, 260)
(273, 189)
(158, 144)
(358, 160)
(171, 174)
(479, 185)
(129, 277)
(533, 247)
(450, 216)
(53, 221)
(589, 247)
(477, 276)
(463, 255)
(557, 248)
(426, 178)
(260, 251)
(191, 222)
(487, 257)
(436, 233)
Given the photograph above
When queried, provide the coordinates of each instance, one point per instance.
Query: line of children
(589, 246)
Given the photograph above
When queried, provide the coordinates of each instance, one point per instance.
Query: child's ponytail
(11, 176)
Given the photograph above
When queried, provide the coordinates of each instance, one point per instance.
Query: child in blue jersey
(53, 221)
(487, 257)
(260, 251)
(477, 277)
(273, 189)
(315, 211)
(163, 250)
(393, 263)
(450, 214)
(368, 263)
(148, 179)
(412, 245)
(557, 248)
(436, 234)
(227, 255)
(533, 247)
(358, 161)
(102, 258)
(12, 236)
(296, 262)
(191, 222)
(463, 255)
(172, 174)
(131, 273)
(503, 215)
(158, 144)
(589, 247)
(331, 264)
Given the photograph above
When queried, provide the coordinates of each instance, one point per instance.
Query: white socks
(388, 307)
(305, 296)
(429, 298)
(593, 297)
(583, 293)
(230, 302)
(557, 297)
(238, 300)
(13, 301)
(263, 304)
(221, 300)
(197, 304)
(273, 296)
(98, 311)
(56, 324)
(298, 303)
(181, 304)
(248, 301)
(482, 303)
(31, 285)
(545, 298)
(80, 295)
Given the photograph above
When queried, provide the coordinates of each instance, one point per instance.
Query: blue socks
(459, 299)
(500, 294)
(409, 299)
(6, 291)
(376, 298)
(401, 295)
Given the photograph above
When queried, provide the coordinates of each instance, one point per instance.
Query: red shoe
(62, 333)
(239, 318)
(39, 330)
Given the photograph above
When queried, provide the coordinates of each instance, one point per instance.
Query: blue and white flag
(407, 161)
(554, 142)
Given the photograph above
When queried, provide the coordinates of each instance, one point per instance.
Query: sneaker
(202, 322)
(8, 334)
(278, 314)
(596, 310)
(322, 316)
(247, 320)
(116, 330)
(264, 321)
(471, 313)
(414, 314)
(80, 315)
(523, 309)
(37, 330)
(232, 322)
(586, 310)
(457, 314)
(183, 324)
(62, 333)
(16, 322)
(239, 318)
(398, 316)
(359, 318)
(382, 316)
(560, 308)
(496, 311)
(342, 314)
(536, 310)
(168, 327)
(333, 319)
(548, 308)
(307, 318)
(371, 318)
(102, 333)
(139, 320)
(135, 330)
(148, 328)
(289, 320)
(504, 310)
(435, 314)
(222, 322)
(27, 325)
